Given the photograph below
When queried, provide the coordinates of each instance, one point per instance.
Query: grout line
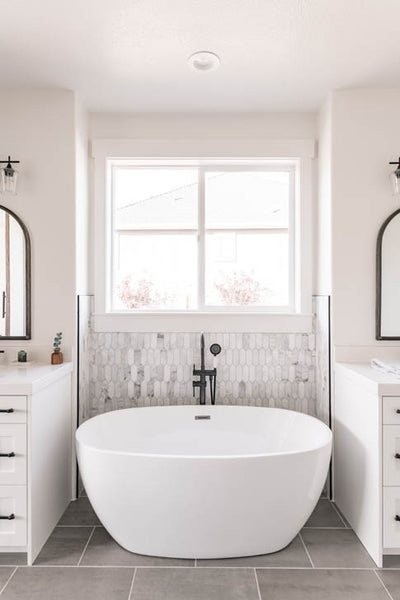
(340, 516)
(307, 552)
(258, 585)
(130, 597)
(8, 580)
(86, 545)
(384, 586)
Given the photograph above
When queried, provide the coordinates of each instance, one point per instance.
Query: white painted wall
(323, 213)
(365, 136)
(246, 125)
(38, 128)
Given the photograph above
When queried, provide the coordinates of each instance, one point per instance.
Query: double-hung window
(208, 237)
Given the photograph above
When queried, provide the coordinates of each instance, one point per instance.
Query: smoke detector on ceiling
(204, 61)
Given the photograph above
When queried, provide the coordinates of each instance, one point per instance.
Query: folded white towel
(386, 367)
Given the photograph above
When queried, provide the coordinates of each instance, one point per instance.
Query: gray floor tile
(391, 579)
(79, 512)
(64, 546)
(195, 584)
(104, 551)
(324, 515)
(5, 573)
(14, 559)
(293, 555)
(68, 583)
(323, 584)
(343, 517)
(330, 548)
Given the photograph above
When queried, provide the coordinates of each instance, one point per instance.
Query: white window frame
(243, 153)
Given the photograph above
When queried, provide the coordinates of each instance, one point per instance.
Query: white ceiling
(131, 55)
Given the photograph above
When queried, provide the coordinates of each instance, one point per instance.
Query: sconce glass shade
(8, 180)
(395, 181)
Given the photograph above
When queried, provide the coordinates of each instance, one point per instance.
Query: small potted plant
(57, 355)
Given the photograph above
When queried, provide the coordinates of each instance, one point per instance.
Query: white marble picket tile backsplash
(120, 370)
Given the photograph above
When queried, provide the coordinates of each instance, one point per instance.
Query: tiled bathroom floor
(81, 562)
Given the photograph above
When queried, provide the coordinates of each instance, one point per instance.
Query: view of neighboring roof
(233, 200)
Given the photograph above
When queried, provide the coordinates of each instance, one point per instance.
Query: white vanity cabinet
(367, 455)
(35, 454)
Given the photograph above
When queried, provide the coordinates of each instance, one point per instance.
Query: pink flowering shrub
(239, 289)
(139, 293)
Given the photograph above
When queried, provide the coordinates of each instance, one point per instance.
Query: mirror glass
(388, 279)
(14, 277)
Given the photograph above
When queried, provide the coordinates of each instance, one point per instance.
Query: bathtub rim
(326, 443)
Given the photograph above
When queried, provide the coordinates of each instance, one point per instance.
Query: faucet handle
(215, 349)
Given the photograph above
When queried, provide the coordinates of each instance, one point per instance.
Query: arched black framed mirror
(387, 326)
(15, 277)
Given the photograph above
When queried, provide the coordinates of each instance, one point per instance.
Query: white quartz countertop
(377, 381)
(21, 380)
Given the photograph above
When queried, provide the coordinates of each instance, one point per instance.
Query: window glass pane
(247, 199)
(155, 271)
(155, 238)
(154, 198)
(247, 239)
(251, 270)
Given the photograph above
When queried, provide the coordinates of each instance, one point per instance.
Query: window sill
(208, 322)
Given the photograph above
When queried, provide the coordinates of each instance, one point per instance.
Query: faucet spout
(202, 366)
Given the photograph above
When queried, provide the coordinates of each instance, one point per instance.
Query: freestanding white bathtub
(203, 481)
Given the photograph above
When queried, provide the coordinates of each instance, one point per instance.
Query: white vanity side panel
(50, 454)
(357, 463)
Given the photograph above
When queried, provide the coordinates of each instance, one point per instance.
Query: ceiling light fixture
(204, 61)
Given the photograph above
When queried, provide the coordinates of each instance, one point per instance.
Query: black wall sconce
(395, 177)
(8, 180)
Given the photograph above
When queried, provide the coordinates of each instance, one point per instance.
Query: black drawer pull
(6, 410)
(12, 454)
(9, 517)
(398, 411)
(397, 455)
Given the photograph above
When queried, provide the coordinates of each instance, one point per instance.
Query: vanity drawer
(13, 441)
(13, 502)
(391, 455)
(17, 407)
(390, 406)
